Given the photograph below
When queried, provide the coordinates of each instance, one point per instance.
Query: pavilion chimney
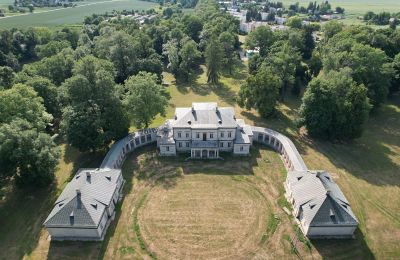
(78, 199)
(71, 218)
(88, 177)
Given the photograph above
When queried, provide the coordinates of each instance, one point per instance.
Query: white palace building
(204, 130)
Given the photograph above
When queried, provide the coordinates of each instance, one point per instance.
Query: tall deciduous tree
(370, 66)
(7, 76)
(261, 91)
(27, 154)
(144, 98)
(48, 91)
(262, 37)
(188, 55)
(23, 102)
(214, 55)
(228, 40)
(95, 116)
(396, 75)
(335, 106)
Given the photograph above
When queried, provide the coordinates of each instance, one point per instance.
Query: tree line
(350, 73)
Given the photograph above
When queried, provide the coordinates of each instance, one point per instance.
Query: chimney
(71, 218)
(88, 177)
(78, 199)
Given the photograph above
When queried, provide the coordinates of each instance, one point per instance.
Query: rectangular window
(229, 144)
(180, 144)
(179, 134)
(221, 144)
(197, 135)
(241, 148)
(229, 134)
(187, 135)
(187, 144)
(211, 135)
(222, 134)
(167, 148)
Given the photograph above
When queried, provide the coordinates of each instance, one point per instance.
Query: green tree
(93, 103)
(213, 54)
(284, 61)
(370, 66)
(295, 22)
(334, 106)
(49, 92)
(331, 28)
(27, 154)
(262, 37)
(188, 55)
(396, 75)
(7, 76)
(51, 48)
(171, 51)
(144, 98)
(228, 40)
(193, 26)
(22, 101)
(261, 91)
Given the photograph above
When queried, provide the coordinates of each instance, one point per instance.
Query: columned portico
(204, 153)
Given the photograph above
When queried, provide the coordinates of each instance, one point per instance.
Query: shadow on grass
(344, 248)
(372, 157)
(21, 218)
(24, 210)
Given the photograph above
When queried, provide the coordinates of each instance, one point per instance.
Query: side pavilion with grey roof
(204, 130)
(86, 206)
(319, 205)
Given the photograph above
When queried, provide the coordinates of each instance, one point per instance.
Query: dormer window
(219, 121)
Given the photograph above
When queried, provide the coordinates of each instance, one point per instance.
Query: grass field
(65, 16)
(366, 169)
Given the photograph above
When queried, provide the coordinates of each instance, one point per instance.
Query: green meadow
(52, 17)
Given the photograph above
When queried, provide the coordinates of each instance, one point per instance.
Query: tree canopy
(335, 106)
(144, 98)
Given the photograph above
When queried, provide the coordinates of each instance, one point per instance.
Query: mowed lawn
(66, 16)
(367, 170)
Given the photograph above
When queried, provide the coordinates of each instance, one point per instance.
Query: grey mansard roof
(205, 116)
(87, 208)
(320, 199)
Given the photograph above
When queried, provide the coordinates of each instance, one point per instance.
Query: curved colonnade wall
(279, 142)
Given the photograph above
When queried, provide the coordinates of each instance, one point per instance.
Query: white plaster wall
(172, 149)
(246, 149)
(183, 132)
(225, 131)
(207, 131)
(331, 231)
(60, 233)
(184, 147)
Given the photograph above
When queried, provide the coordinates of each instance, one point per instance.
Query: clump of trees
(334, 106)
(382, 18)
(349, 73)
(27, 152)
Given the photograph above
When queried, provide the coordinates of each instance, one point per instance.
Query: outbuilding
(319, 205)
(86, 206)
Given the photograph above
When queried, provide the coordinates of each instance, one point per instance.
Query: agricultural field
(204, 209)
(355, 8)
(59, 16)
